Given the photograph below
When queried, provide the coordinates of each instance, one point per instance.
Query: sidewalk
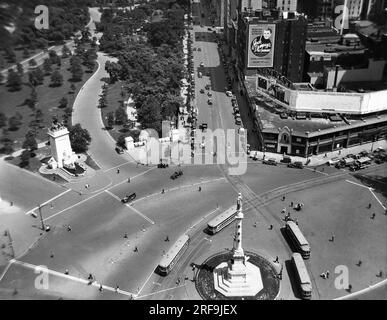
(322, 159)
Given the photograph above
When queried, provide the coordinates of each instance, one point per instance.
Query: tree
(38, 76)
(149, 115)
(3, 120)
(63, 103)
(30, 141)
(47, 66)
(79, 138)
(14, 80)
(6, 142)
(73, 88)
(20, 69)
(121, 115)
(26, 53)
(14, 123)
(33, 100)
(32, 63)
(25, 158)
(110, 119)
(56, 79)
(65, 52)
(76, 71)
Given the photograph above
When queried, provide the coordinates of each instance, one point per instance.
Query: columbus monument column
(238, 277)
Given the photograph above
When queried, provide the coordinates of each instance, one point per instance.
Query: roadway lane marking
(371, 190)
(357, 184)
(93, 196)
(48, 201)
(120, 165)
(39, 269)
(131, 207)
(153, 293)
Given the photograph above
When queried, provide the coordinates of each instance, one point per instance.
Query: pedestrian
(167, 239)
(271, 227)
(333, 238)
(125, 236)
(100, 288)
(349, 288)
(369, 206)
(359, 263)
(296, 221)
(128, 180)
(327, 273)
(136, 249)
(291, 204)
(373, 216)
(11, 203)
(283, 198)
(90, 277)
(118, 171)
(200, 189)
(276, 260)
(255, 224)
(380, 274)
(51, 206)
(162, 191)
(66, 271)
(51, 255)
(117, 288)
(283, 210)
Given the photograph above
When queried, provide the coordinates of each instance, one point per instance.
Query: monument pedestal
(242, 281)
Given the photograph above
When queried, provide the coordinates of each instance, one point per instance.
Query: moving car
(208, 87)
(129, 198)
(297, 165)
(162, 165)
(202, 91)
(119, 150)
(209, 101)
(176, 174)
(270, 162)
(209, 94)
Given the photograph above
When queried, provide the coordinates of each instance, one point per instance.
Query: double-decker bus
(300, 243)
(222, 220)
(173, 255)
(302, 276)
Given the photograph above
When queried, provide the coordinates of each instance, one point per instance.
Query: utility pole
(41, 218)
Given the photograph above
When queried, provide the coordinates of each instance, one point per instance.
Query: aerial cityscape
(206, 150)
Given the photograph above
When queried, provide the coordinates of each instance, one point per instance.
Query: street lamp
(43, 226)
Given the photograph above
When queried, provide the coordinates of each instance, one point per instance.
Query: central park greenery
(150, 56)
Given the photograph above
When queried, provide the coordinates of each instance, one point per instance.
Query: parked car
(270, 162)
(162, 165)
(297, 165)
(209, 101)
(334, 161)
(202, 91)
(209, 94)
(208, 87)
(176, 174)
(238, 121)
(229, 93)
(128, 198)
(202, 64)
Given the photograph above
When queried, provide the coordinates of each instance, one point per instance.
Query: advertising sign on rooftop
(261, 45)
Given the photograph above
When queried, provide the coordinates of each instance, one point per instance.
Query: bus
(173, 255)
(300, 243)
(222, 220)
(302, 276)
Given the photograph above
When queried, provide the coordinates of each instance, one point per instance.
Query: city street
(93, 232)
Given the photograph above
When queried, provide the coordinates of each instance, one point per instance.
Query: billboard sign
(261, 45)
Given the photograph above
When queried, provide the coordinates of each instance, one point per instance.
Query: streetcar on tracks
(173, 255)
(222, 220)
(298, 240)
(302, 276)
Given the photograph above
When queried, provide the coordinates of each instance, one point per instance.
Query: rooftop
(274, 117)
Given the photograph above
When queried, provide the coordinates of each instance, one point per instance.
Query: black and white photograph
(211, 152)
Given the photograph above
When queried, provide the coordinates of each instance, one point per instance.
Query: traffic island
(205, 278)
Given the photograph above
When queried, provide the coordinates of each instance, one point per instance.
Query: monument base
(247, 284)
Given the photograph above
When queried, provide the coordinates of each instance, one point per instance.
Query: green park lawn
(48, 102)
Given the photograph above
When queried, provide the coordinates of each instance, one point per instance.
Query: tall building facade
(275, 42)
(287, 5)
